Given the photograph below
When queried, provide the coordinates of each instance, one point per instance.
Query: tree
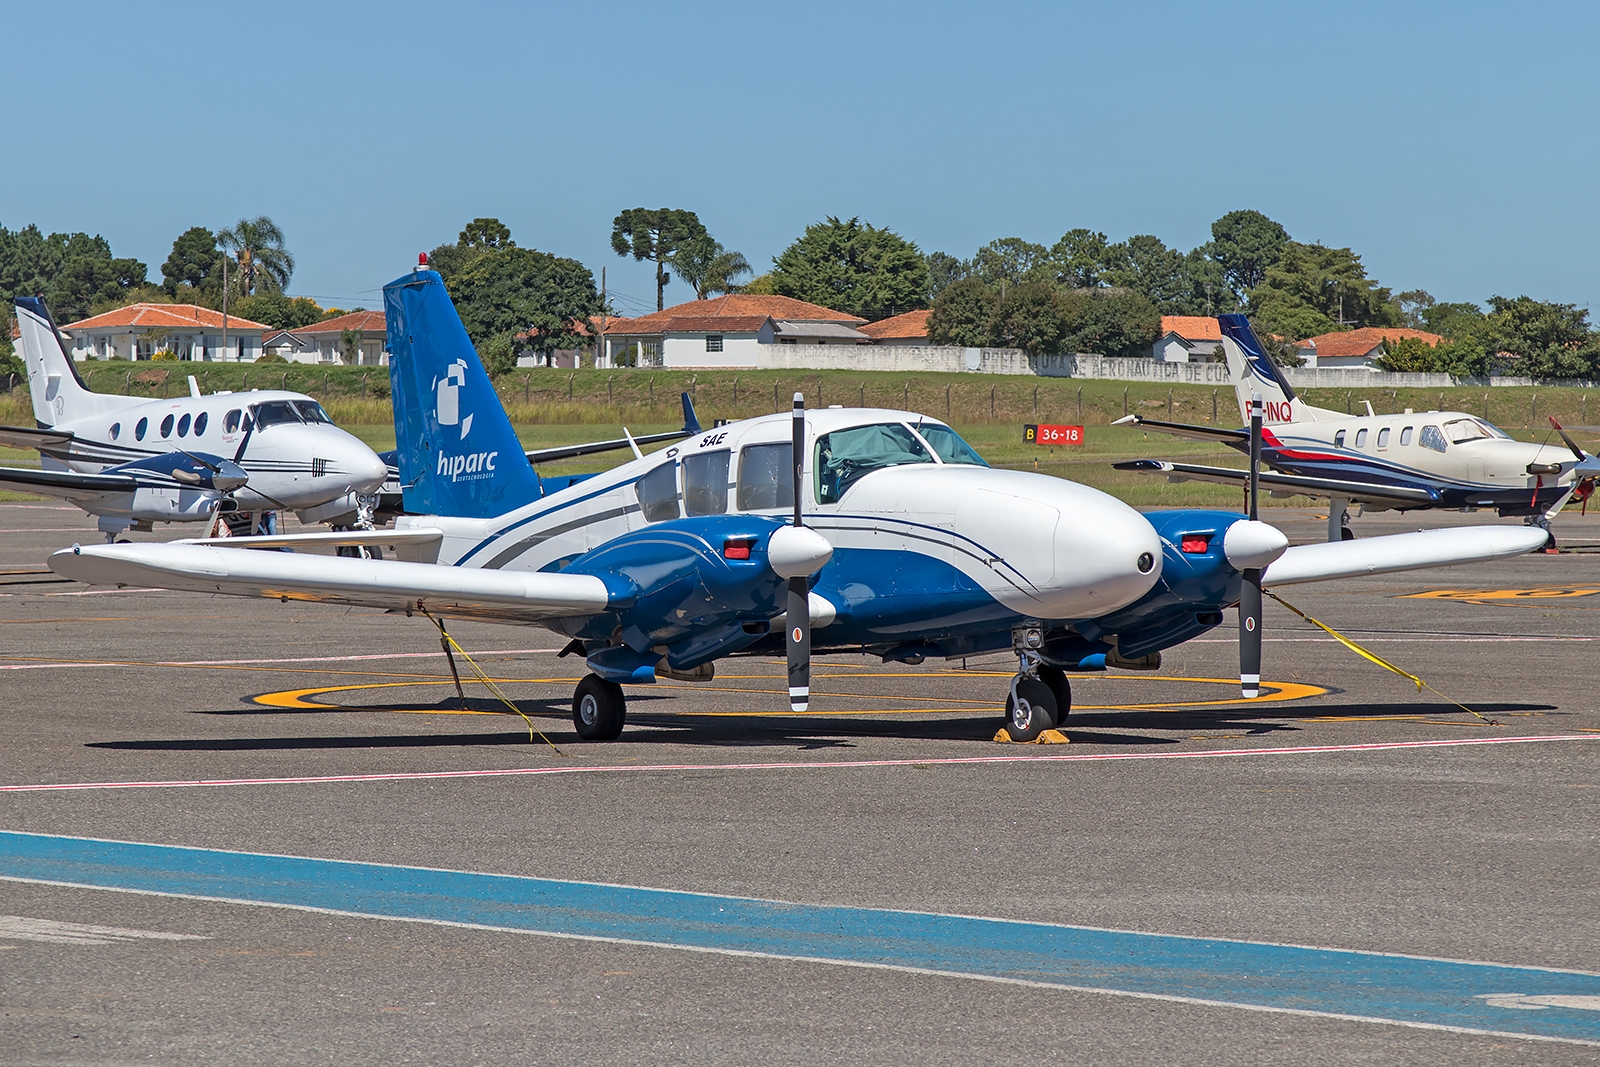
(1454, 320)
(1081, 259)
(1151, 268)
(963, 314)
(708, 267)
(1549, 340)
(760, 285)
(655, 235)
(943, 270)
(350, 345)
(87, 284)
(1412, 305)
(853, 267)
(1245, 244)
(277, 310)
(1008, 260)
(485, 233)
(1312, 287)
(1034, 316)
(1113, 322)
(510, 297)
(194, 257)
(257, 246)
(1205, 288)
(1407, 355)
(72, 271)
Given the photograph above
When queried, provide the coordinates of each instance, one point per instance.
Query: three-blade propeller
(1250, 590)
(796, 552)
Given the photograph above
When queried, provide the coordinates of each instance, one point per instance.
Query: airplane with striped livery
(134, 461)
(841, 530)
(1414, 460)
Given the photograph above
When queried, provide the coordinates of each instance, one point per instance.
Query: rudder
(458, 454)
(58, 393)
(1253, 371)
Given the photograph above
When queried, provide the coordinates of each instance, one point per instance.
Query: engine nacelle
(147, 505)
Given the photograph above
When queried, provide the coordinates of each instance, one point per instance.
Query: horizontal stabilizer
(512, 596)
(691, 425)
(1181, 429)
(1272, 481)
(27, 437)
(1401, 552)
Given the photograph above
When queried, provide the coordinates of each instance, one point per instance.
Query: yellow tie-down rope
(1373, 656)
(444, 635)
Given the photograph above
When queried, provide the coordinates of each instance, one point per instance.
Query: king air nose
(367, 471)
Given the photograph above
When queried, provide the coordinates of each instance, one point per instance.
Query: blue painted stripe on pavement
(1399, 989)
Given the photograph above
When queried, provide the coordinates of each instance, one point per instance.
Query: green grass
(552, 407)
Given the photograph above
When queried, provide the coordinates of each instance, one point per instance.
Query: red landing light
(1196, 544)
(737, 548)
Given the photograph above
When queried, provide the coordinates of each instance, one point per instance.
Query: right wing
(505, 596)
(26, 437)
(69, 485)
(1389, 495)
(1323, 561)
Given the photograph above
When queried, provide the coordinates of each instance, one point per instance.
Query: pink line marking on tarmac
(254, 662)
(799, 765)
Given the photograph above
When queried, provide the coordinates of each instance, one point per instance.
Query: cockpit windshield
(845, 455)
(1462, 430)
(311, 411)
(948, 445)
(274, 412)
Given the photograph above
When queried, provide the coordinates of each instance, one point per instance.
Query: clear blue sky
(1450, 145)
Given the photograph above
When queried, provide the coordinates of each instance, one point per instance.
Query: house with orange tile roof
(726, 331)
(908, 329)
(188, 331)
(1356, 349)
(1189, 339)
(323, 342)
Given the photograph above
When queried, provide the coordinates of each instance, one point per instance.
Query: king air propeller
(796, 552)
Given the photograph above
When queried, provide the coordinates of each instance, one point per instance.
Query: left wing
(511, 596)
(69, 485)
(27, 437)
(1182, 429)
(1392, 495)
(1400, 552)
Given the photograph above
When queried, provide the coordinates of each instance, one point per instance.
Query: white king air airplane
(846, 530)
(1409, 461)
(132, 461)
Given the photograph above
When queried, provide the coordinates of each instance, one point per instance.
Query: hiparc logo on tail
(466, 467)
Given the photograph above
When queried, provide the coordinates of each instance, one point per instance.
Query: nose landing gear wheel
(598, 709)
(1031, 711)
(1060, 688)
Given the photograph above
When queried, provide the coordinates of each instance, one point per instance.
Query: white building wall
(689, 350)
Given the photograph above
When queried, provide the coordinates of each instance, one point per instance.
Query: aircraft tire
(1060, 688)
(1035, 714)
(598, 709)
(1346, 534)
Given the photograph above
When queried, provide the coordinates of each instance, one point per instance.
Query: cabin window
(705, 482)
(116, 428)
(139, 428)
(1405, 436)
(166, 426)
(713, 342)
(658, 493)
(1361, 438)
(1383, 437)
(183, 426)
(230, 421)
(200, 423)
(948, 445)
(1432, 437)
(844, 456)
(1338, 439)
(765, 477)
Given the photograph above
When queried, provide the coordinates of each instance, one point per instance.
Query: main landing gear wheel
(598, 709)
(1060, 688)
(1030, 709)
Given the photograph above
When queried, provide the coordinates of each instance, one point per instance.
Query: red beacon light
(422, 261)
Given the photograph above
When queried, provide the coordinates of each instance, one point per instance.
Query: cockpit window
(658, 493)
(311, 411)
(765, 478)
(845, 455)
(705, 482)
(1432, 438)
(948, 445)
(275, 411)
(1462, 430)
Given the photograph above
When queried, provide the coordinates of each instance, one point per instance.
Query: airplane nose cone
(1107, 556)
(367, 473)
(229, 476)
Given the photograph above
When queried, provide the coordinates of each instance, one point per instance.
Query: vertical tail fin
(458, 453)
(58, 393)
(1253, 371)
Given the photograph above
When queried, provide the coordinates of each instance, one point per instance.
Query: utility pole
(225, 306)
(601, 350)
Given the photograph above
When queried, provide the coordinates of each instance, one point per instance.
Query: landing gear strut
(1543, 523)
(1040, 695)
(598, 709)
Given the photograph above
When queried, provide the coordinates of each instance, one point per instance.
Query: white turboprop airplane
(110, 454)
(1413, 460)
(880, 531)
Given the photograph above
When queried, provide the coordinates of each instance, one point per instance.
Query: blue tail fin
(458, 453)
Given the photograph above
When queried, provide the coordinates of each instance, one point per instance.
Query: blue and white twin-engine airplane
(840, 530)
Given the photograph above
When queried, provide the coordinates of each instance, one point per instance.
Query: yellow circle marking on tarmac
(1274, 693)
(1503, 596)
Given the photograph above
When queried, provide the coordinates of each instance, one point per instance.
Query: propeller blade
(244, 442)
(212, 467)
(1250, 589)
(1565, 436)
(799, 612)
